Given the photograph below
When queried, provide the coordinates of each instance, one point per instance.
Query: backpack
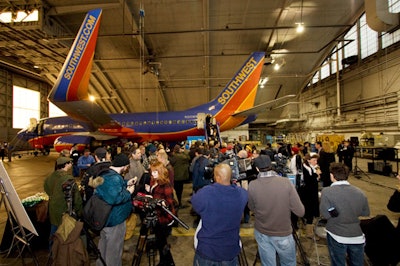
(96, 212)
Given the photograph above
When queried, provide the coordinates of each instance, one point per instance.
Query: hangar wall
(8, 79)
(369, 101)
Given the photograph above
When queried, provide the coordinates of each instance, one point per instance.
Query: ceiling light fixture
(279, 63)
(300, 25)
(262, 82)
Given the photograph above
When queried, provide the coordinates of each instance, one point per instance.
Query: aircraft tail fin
(73, 81)
(240, 92)
(70, 92)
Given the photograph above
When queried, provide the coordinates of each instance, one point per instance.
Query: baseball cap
(63, 160)
(100, 153)
(262, 162)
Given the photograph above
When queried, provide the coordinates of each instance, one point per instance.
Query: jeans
(111, 244)
(338, 251)
(75, 170)
(200, 261)
(53, 229)
(269, 246)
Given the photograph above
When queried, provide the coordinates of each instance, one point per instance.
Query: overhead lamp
(92, 98)
(268, 60)
(279, 63)
(262, 82)
(300, 25)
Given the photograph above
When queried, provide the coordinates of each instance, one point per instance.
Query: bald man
(220, 206)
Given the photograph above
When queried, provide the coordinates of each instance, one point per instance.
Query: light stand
(357, 171)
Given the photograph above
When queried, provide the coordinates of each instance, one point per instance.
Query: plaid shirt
(165, 192)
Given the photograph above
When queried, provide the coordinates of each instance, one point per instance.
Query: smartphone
(333, 212)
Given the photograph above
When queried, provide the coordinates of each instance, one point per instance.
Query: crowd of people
(229, 181)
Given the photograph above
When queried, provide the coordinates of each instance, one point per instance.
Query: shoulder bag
(96, 212)
(394, 202)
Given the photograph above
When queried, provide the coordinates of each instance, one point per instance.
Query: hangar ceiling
(159, 55)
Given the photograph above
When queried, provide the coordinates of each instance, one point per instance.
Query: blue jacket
(113, 191)
(83, 161)
(221, 208)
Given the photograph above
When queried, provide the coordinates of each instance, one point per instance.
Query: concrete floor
(28, 173)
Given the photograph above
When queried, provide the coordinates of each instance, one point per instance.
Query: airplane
(87, 121)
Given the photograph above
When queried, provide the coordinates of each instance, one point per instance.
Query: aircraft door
(40, 129)
(201, 120)
(32, 124)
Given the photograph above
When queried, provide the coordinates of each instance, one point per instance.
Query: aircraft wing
(70, 92)
(89, 112)
(263, 106)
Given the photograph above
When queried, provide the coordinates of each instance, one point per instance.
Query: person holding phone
(341, 205)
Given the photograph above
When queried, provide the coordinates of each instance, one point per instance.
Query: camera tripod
(147, 239)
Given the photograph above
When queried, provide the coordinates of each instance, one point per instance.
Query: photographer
(201, 175)
(160, 188)
(220, 206)
(272, 198)
(53, 187)
(103, 162)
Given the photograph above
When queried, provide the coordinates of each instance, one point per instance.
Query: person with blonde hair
(162, 156)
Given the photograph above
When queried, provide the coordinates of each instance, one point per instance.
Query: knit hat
(262, 162)
(120, 160)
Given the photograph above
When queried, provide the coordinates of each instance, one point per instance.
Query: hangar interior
(159, 55)
(172, 55)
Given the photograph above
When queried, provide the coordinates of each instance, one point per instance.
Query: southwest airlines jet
(87, 121)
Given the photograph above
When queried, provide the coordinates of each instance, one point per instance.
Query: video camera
(67, 187)
(149, 205)
(146, 203)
